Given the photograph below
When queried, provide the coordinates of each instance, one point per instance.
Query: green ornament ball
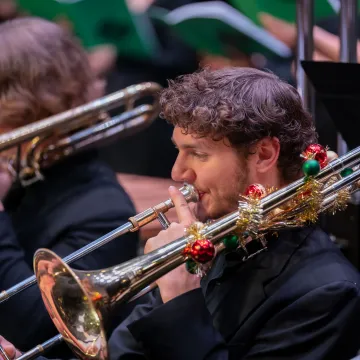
(346, 172)
(311, 167)
(231, 242)
(191, 266)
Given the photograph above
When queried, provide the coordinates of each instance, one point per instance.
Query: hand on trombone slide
(177, 281)
(8, 350)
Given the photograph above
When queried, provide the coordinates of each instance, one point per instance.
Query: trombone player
(298, 300)
(43, 72)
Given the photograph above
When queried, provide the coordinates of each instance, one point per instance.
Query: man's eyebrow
(198, 145)
(186, 146)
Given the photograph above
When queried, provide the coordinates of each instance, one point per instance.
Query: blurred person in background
(148, 147)
(44, 71)
(150, 152)
(326, 48)
(101, 58)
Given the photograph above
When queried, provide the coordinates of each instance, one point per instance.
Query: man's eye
(200, 156)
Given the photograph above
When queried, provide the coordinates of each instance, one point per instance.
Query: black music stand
(337, 86)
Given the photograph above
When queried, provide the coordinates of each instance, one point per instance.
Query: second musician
(43, 71)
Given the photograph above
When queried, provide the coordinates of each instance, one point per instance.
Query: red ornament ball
(317, 152)
(202, 251)
(255, 191)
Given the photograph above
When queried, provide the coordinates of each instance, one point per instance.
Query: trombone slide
(133, 224)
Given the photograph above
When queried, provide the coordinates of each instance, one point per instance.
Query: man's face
(217, 171)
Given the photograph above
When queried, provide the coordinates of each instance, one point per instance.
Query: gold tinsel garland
(309, 198)
(249, 218)
(340, 202)
(195, 230)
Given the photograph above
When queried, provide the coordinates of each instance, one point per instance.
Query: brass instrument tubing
(134, 224)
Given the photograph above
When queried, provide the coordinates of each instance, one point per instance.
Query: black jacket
(298, 300)
(79, 201)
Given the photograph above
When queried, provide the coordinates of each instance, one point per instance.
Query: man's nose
(182, 173)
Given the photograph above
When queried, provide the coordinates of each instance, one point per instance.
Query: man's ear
(267, 154)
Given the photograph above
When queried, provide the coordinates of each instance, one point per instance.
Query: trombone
(74, 130)
(134, 224)
(51, 139)
(79, 301)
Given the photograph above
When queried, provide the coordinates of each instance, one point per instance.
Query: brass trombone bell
(77, 302)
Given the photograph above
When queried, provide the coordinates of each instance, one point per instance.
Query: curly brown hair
(43, 71)
(243, 105)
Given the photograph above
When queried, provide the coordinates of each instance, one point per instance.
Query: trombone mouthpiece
(190, 193)
(139, 220)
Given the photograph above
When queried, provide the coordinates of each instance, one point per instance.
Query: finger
(102, 58)
(326, 43)
(318, 56)
(329, 44)
(149, 246)
(8, 345)
(282, 30)
(183, 211)
(3, 354)
(9, 348)
(139, 6)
